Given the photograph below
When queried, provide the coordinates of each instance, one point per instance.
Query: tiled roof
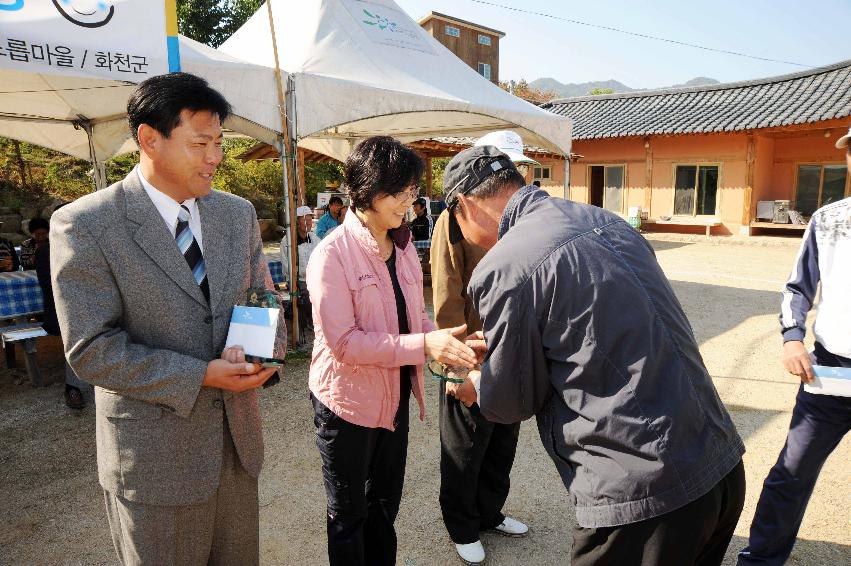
(468, 142)
(799, 98)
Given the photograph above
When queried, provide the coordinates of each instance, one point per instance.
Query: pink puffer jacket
(357, 351)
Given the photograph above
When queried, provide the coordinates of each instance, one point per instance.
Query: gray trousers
(224, 530)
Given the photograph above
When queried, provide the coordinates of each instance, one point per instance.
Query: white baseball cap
(303, 211)
(844, 141)
(508, 143)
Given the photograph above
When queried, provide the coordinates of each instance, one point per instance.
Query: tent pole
(98, 168)
(287, 154)
(298, 155)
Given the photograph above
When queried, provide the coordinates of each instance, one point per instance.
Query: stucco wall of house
(728, 151)
(791, 152)
(776, 155)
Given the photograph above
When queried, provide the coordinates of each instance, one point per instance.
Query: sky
(813, 33)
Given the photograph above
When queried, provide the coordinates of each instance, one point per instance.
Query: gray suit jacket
(136, 325)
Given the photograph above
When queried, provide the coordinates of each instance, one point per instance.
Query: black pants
(364, 471)
(819, 422)
(305, 309)
(476, 456)
(697, 534)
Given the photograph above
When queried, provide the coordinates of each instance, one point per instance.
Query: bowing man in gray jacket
(582, 329)
(145, 274)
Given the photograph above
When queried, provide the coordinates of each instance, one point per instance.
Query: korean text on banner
(115, 39)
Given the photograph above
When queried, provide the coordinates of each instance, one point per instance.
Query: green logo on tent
(380, 21)
(387, 24)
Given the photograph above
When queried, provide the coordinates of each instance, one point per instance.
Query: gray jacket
(589, 337)
(136, 325)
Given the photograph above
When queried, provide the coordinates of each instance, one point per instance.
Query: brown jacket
(451, 269)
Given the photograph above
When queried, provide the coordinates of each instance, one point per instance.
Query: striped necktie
(191, 251)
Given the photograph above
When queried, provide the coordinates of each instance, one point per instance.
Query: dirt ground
(52, 508)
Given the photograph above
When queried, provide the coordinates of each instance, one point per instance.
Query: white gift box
(830, 381)
(255, 329)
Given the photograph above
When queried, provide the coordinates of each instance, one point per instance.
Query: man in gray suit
(145, 275)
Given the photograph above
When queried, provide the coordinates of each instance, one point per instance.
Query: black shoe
(74, 398)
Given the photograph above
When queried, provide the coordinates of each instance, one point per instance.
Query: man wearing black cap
(583, 330)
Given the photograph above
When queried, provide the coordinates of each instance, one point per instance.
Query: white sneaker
(511, 528)
(473, 553)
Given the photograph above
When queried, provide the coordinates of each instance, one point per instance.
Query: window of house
(541, 173)
(453, 31)
(819, 185)
(485, 70)
(695, 190)
(606, 187)
(484, 39)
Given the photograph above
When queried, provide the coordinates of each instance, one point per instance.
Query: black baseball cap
(465, 172)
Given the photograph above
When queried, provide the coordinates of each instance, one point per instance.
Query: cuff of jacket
(793, 334)
(185, 403)
(412, 350)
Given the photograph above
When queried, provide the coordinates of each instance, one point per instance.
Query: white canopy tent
(86, 117)
(363, 68)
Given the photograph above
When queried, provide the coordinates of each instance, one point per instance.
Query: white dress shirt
(170, 208)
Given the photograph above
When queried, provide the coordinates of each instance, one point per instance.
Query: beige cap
(507, 142)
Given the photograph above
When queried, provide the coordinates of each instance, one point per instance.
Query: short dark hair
(495, 183)
(420, 201)
(380, 165)
(335, 200)
(38, 223)
(536, 183)
(158, 102)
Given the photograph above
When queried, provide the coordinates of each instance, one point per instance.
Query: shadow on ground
(662, 245)
(715, 309)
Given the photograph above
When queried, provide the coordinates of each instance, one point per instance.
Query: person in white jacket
(307, 241)
(819, 422)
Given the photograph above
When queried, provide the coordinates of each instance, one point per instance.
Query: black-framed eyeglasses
(442, 372)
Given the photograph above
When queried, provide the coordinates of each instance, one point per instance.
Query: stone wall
(14, 221)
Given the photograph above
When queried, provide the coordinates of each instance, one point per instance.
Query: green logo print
(380, 21)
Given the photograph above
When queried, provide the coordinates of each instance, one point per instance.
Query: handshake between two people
(459, 360)
(233, 373)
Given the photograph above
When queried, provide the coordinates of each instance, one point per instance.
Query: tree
(213, 21)
(522, 90)
(599, 91)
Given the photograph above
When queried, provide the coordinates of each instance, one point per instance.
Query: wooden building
(476, 45)
(702, 158)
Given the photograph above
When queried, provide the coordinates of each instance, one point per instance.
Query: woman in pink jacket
(372, 339)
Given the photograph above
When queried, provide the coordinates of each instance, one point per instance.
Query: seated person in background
(331, 219)
(421, 226)
(318, 213)
(38, 228)
(8, 256)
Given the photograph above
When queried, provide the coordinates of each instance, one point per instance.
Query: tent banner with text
(128, 40)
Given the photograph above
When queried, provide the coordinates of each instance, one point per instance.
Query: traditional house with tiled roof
(709, 157)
